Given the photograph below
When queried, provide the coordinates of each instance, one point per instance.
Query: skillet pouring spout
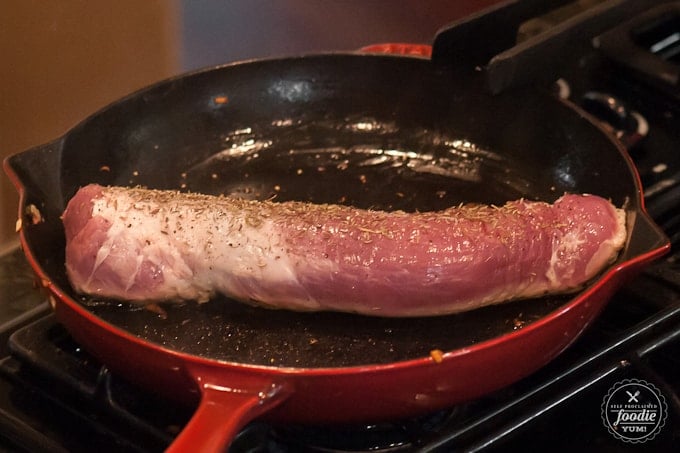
(372, 131)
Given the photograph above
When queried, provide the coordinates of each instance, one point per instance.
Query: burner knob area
(629, 126)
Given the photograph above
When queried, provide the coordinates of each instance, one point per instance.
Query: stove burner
(629, 126)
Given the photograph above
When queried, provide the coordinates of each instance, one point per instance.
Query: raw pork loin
(149, 246)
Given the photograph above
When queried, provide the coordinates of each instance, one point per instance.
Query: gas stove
(55, 397)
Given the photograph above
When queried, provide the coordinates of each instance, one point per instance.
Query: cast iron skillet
(372, 131)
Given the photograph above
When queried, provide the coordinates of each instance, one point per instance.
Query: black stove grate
(61, 399)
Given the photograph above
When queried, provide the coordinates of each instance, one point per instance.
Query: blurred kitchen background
(61, 61)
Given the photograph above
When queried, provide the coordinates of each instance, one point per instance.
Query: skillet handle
(224, 410)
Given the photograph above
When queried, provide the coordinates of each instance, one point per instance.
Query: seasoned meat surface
(146, 245)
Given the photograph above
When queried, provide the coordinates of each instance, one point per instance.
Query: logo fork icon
(633, 397)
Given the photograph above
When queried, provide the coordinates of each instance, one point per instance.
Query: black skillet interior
(377, 132)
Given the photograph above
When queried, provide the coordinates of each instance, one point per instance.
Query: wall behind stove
(62, 60)
(218, 31)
